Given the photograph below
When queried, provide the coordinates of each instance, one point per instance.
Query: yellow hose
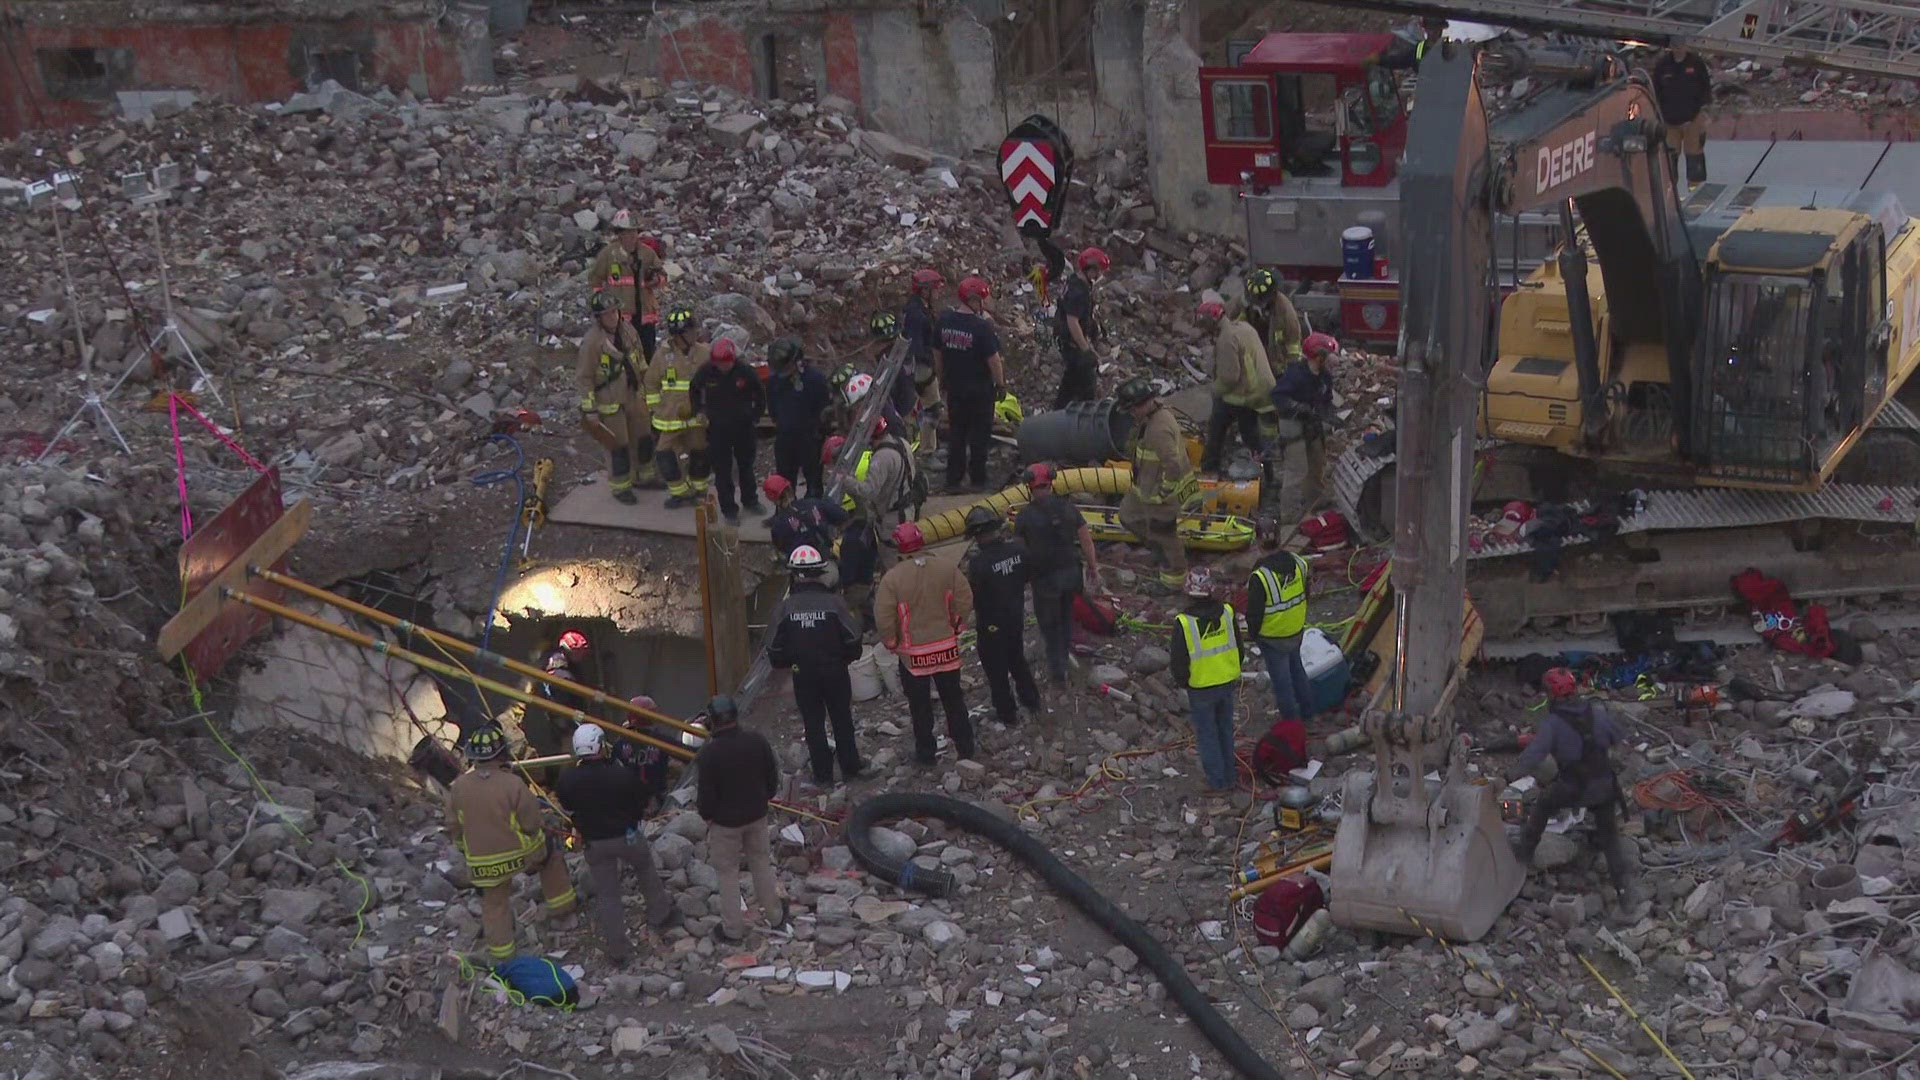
(1204, 532)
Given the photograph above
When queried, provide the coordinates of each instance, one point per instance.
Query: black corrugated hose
(984, 823)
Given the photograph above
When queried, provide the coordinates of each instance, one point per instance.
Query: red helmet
(879, 426)
(723, 351)
(1039, 475)
(1210, 309)
(1518, 511)
(973, 288)
(643, 701)
(651, 242)
(775, 487)
(1091, 257)
(927, 280)
(907, 538)
(1559, 683)
(573, 641)
(831, 448)
(1318, 344)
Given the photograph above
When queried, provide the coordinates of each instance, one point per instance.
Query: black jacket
(799, 402)
(1682, 87)
(916, 325)
(812, 629)
(732, 398)
(605, 798)
(997, 571)
(1076, 299)
(1050, 527)
(806, 521)
(738, 777)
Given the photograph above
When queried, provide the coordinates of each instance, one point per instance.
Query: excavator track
(1678, 549)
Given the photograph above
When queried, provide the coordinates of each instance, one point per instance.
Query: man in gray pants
(607, 800)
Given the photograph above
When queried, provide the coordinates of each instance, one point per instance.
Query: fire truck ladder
(1875, 37)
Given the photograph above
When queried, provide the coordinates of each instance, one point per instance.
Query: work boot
(732, 517)
(752, 506)
(676, 502)
(625, 497)
(1696, 169)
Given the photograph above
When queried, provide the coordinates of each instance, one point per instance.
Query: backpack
(1280, 751)
(1095, 614)
(1593, 761)
(1326, 530)
(538, 980)
(1283, 907)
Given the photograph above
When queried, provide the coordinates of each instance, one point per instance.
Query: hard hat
(573, 641)
(857, 387)
(486, 743)
(623, 221)
(723, 351)
(775, 487)
(973, 288)
(1559, 682)
(588, 740)
(1091, 257)
(806, 559)
(879, 426)
(785, 351)
(1210, 309)
(1135, 392)
(884, 325)
(679, 319)
(601, 301)
(907, 538)
(1518, 511)
(831, 448)
(652, 242)
(1199, 583)
(1260, 282)
(927, 280)
(983, 520)
(841, 374)
(1318, 344)
(722, 708)
(1039, 475)
(643, 701)
(1267, 529)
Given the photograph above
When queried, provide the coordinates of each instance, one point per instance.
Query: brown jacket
(600, 373)
(495, 823)
(668, 399)
(1162, 472)
(619, 270)
(1241, 373)
(936, 596)
(1283, 329)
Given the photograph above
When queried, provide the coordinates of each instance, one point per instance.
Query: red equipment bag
(1094, 614)
(1280, 751)
(1326, 530)
(1284, 907)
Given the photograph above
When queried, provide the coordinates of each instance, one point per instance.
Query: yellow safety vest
(859, 473)
(1212, 659)
(1286, 611)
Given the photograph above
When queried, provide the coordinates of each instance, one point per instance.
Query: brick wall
(722, 50)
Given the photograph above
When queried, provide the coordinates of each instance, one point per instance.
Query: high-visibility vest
(1286, 612)
(860, 473)
(1212, 659)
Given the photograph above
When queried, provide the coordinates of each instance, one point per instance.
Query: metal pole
(706, 597)
(598, 697)
(367, 641)
(73, 298)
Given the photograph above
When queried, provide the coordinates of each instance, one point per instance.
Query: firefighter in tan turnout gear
(678, 429)
(608, 374)
(629, 269)
(496, 826)
(1163, 480)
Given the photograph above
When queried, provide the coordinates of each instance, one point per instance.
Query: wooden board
(593, 504)
(205, 612)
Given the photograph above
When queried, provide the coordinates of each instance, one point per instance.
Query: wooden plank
(204, 607)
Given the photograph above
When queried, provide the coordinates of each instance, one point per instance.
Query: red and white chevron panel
(1027, 169)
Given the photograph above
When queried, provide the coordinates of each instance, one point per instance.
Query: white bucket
(889, 667)
(865, 673)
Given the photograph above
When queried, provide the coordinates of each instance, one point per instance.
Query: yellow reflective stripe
(653, 399)
(1145, 454)
(668, 425)
(564, 900)
(586, 403)
(610, 409)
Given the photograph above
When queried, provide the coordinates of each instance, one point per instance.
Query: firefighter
(1304, 394)
(1206, 660)
(813, 633)
(1163, 480)
(1272, 314)
(859, 547)
(1242, 381)
(972, 379)
(1579, 734)
(1060, 562)
(923, 345)
(795, 522)
(607, 801)
(546, 731)
(799, 398)
(730, 396)
(629, 269)
(608, 375)
(885, 479)
(679, 429)
(1683, 85)
(1277, 619)
(921, 607)
(1076, 329)
(497, 827)
(997, 574)
(652, 763)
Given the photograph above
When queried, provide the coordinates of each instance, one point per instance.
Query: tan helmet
(623, 221)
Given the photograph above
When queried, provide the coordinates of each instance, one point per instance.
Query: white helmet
(858, 387)
(623, 220)
(806, 559)
(587, 740)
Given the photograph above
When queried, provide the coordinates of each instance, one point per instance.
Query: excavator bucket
(1413, 855)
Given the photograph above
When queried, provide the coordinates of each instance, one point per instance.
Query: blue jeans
(1211, 709)
(1292, 691)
